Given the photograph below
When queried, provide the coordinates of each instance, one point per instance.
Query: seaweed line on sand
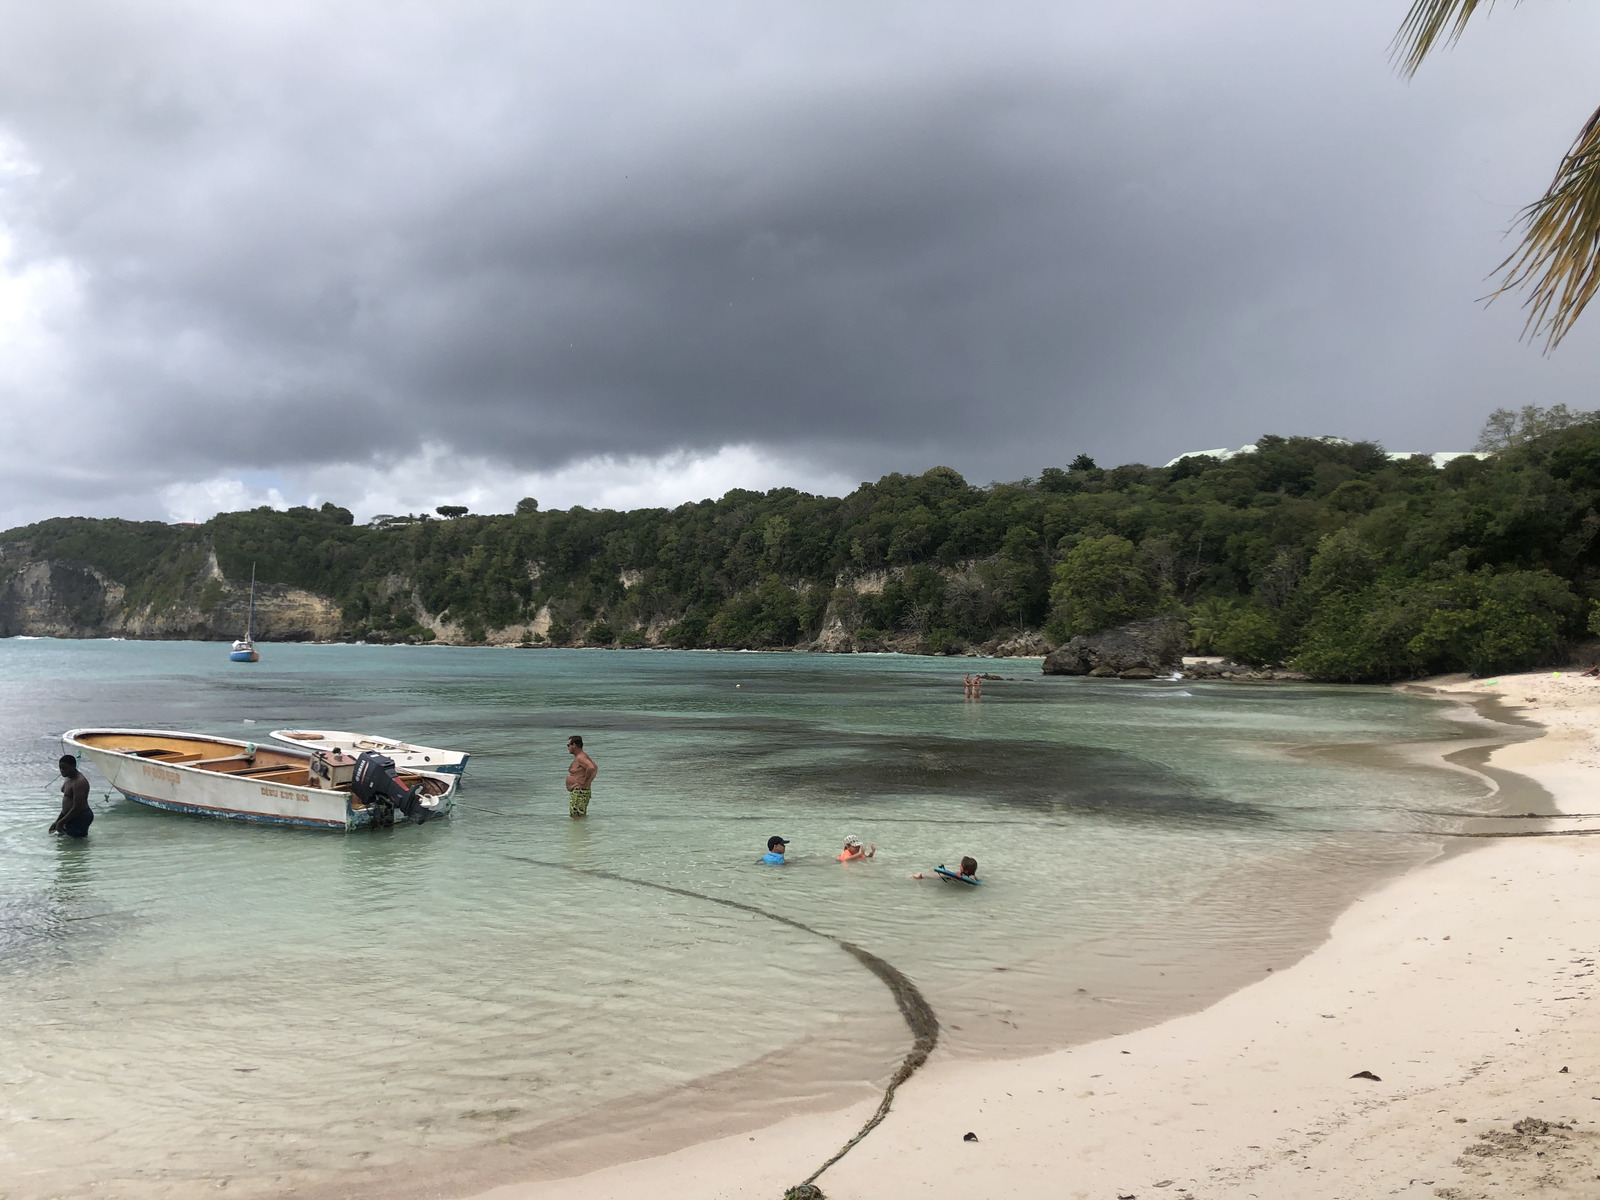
(918, 1013)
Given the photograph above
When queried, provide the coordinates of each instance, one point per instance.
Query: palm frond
(1427, 24)
(1560, 251)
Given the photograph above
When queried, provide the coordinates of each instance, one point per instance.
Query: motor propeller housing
(376, 785)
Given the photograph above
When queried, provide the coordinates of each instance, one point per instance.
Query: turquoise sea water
(192, 1002)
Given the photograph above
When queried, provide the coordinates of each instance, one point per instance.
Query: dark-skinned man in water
(580, 778)
(76, 815)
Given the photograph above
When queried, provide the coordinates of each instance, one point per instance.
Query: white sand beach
(1465, 987)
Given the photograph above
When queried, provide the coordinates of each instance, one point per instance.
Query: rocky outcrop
(1237, 673)
(58, 598)
(283, 614)
(834, 638)
(1029, 643)
(1138, 650)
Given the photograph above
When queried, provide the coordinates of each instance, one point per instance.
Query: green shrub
(1252, 637)
(769, 616)
(689, 633)
(1207, 620)
(1486, 623)
(1361, 638)
(1101, 583)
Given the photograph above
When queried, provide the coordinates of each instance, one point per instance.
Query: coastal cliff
(1314, 556)
(64, 598)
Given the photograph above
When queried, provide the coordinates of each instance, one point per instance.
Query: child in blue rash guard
(775, 850)
(967, 874)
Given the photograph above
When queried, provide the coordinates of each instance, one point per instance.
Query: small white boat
(240, 781)
(405, 755)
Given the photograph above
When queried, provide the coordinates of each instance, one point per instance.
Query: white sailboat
(244, 650)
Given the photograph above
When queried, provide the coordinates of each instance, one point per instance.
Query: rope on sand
(924, 1028)
(918, 1013)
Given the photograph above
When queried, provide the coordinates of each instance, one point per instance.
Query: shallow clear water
(191, 1001)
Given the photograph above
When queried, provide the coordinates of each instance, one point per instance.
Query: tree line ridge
(1324, 556)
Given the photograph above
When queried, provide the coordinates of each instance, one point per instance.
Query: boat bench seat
(212, 762)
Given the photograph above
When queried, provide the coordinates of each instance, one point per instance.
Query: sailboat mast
(250, 632)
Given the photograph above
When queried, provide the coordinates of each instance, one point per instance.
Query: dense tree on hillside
(1327, 555)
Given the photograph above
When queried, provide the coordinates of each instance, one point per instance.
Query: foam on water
(189, 1001)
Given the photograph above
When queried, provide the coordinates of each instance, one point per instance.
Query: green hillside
(1328, 556)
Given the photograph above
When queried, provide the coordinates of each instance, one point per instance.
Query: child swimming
(853, 851)
(967, 874)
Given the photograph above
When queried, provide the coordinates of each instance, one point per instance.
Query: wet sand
(1463, 986)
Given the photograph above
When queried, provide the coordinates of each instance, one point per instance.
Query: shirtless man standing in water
(580, 777)
(76, 815)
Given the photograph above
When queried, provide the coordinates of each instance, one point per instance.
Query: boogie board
(955, 876)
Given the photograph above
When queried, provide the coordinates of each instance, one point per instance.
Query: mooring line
(914, 1007)
(493, 812)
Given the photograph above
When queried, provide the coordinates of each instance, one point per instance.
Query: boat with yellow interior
(241, 781)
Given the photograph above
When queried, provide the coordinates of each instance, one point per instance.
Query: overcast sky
(624, 252)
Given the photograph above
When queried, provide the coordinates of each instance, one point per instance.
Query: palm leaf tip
(1560, 252)
(1427, 24)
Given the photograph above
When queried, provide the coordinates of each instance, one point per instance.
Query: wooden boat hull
(407, 757)
(278, 798)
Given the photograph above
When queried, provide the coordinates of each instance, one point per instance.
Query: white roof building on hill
(1440, 458)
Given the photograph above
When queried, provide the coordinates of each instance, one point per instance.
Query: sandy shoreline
(1465, 986)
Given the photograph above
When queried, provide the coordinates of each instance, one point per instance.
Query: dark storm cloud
(879, 236)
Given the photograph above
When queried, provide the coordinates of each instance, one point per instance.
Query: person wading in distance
(580, 778)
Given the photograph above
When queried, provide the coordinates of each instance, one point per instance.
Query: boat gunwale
(454, 762)
(284, 737)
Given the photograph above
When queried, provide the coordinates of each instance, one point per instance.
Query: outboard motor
(377, 786)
